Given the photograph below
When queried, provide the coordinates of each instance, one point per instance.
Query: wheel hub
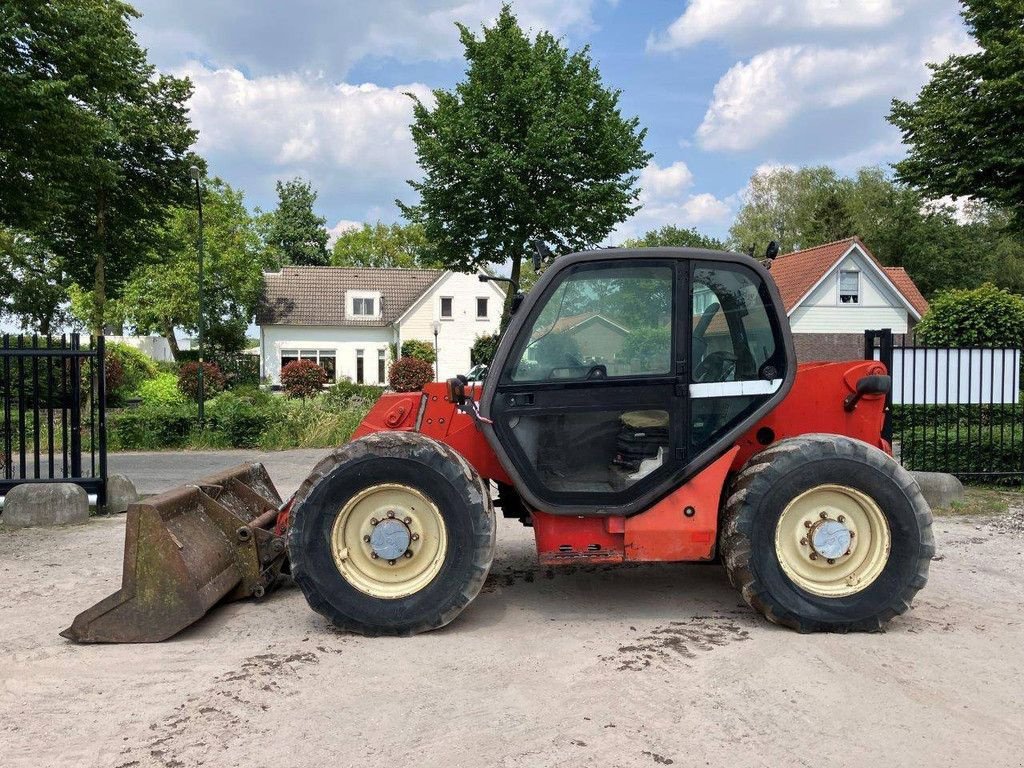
(390, 539)
(830, 539)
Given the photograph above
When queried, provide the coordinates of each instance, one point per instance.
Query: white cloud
(758, 98)
(732, 19)
(666, 198)
(331, 35)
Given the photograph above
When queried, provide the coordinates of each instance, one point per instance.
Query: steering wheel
(718, 366)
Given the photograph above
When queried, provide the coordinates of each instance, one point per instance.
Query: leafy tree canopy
(384, 245)
(95, 143)
(31, 283)
(965, 130)
(680, 237)
(530, 145)
(163, 295)
(293, 229)
(938, 246)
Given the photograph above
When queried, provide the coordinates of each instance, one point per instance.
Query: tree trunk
(517, 265)
(99, 288)
(172, 340)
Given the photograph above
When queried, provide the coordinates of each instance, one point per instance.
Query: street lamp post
(437, 358)
(196, 175)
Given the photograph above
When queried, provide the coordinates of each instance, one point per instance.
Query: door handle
(519, 399)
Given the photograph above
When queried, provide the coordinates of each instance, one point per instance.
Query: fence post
(884, 337)
(76, 409)
(101, 397)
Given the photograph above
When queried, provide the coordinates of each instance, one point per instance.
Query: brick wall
(828, 346)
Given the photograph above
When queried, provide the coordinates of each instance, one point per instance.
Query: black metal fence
(53, 427)
(953, 410)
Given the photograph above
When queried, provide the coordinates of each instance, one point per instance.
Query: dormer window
(849, 286)
(364, 304)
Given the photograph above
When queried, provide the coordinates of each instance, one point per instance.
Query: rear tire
(775, 506)
(448, 535)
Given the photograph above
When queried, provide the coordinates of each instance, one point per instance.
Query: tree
(294, 230)
(163, 295)
(782, 204)
(965, 130)
(95, 143)
(530, 145)
(680, 237)
(31, 283)
(384, 245)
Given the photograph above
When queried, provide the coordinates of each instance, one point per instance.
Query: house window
(481, 308)
(359, 366)
(362, 306)
(325, 358)
(446, 307)
(849, 286)
(381, 360)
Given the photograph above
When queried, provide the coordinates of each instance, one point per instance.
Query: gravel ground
(632, 666)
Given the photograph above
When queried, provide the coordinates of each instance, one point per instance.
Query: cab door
(627, 372)
(589, 403)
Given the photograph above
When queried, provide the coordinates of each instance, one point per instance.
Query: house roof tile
(316, 295)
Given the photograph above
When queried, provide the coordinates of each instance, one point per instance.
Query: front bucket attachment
(184, 551)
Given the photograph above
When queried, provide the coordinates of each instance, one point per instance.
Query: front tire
(823, 533)
(392, 534)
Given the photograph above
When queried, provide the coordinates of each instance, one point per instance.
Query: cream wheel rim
(389, 541)
(833, 540)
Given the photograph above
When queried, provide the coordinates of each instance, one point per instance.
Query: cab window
(733, 338)
(601, 322)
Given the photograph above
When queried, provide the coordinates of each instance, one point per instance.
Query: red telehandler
(643, 405)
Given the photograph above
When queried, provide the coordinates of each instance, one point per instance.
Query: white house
(346, 319)
(835, 292)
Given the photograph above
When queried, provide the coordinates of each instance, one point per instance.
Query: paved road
(156, 472)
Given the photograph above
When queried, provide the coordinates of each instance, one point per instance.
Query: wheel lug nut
(391, 513)
(373, 555)
(415, 537)
(407, 520)
(852, 534)
(391, 562)
(366, 539)
(841, 519)
(814, 555)
(823, 515)
(807, 523)
(803, 542)
(374, 521)
(831, 561)
(408, 553)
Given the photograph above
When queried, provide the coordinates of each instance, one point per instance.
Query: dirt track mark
(678, 640)
(201, 725)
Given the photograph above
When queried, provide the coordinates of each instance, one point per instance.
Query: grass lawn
(984, 500)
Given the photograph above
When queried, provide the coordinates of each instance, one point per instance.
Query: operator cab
(625, 372)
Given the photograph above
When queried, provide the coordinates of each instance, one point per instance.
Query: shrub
(113, 376)
(188, 380)
(962, 451)
(303, 378)
(978, 317)
(137, 366)
(162, 388)
(152, 426)
(483, 349)
(420, 350)
(409, 374)
(313, 423)
(345, 392)
(241, 420)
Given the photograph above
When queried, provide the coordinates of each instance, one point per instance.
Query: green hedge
(916, 416)
(973, 451)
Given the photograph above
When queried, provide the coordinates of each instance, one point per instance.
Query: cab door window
(736, 349)
(600, 323)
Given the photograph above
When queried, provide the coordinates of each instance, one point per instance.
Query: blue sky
(316, 87)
